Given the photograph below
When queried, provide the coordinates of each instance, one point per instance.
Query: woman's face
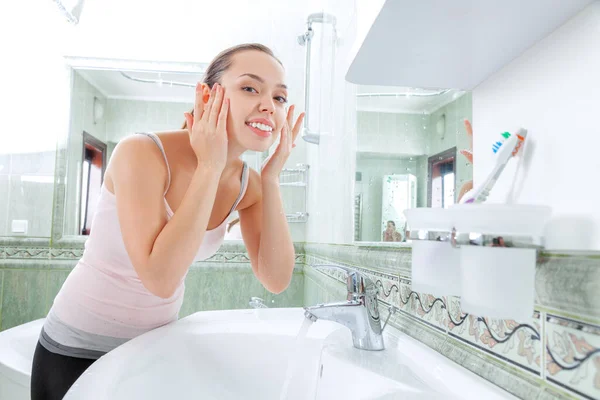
(390, 226)
(254, 83)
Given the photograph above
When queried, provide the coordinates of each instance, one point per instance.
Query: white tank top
(103, 302)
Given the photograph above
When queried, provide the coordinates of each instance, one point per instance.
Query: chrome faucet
(359, 312)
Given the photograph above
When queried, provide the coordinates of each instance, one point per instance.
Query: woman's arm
(264, 224)
(267, 237)
(160, 251)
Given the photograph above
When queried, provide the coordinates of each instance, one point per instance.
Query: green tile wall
(30, 280)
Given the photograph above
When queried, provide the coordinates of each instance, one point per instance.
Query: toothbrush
(504, 150)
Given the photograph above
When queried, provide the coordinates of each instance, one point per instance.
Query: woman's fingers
(297, 126)
(189, 120)
(209, 104)
(222, 122)
(216, 106)
(198, 104)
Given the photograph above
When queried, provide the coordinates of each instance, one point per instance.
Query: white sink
(243, 354)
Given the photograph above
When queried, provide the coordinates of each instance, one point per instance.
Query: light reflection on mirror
(408, 155)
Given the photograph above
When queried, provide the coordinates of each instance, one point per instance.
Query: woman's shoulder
(136, 155)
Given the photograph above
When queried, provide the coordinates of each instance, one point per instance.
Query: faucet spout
(341, 312)
(359, 313)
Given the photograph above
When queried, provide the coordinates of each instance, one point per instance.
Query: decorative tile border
(573, 356)
(566, 285)
(519, 352)
(26, 253)
(230, 252)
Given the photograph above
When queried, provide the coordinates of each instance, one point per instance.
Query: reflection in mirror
(112, 99)
(409, 144)
(92, 176)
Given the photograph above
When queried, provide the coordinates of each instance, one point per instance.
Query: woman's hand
(207, 128)
(273, 166)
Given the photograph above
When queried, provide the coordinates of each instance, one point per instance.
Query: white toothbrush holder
(498, 251)
(435, 263)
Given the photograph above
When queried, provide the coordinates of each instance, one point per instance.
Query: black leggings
(53, 374)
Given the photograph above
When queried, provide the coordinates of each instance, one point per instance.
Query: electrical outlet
(19, 226)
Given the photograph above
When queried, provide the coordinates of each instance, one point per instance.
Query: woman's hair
(392, 222)
(223, 61)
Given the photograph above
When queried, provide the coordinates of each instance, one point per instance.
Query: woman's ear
(205, 93)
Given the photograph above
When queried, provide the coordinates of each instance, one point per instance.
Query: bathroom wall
(555, 354)
(552, 90)
(31, 276)
(125, 117)
(402, 134)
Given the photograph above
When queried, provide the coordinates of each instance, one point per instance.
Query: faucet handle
(357, 283)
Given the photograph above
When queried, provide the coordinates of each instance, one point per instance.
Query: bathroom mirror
(111, 99)
(408, 155)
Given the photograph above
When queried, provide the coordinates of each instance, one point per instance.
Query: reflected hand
(468, 153)
(274, 164)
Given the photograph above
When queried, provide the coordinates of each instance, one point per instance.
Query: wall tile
(21, 299)
(311, 292)
(425, 307)
(293, 296)
(211, 281)
(193, 292)
(573, 356)
(56, 278)
(516, 342)
(239, 285)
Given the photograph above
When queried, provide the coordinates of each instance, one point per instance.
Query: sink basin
(244, 354)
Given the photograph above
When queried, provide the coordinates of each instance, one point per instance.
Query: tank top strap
(158, 142)
(243, 187)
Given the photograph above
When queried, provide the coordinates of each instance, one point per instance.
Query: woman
(390, 234)
(165, 202)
